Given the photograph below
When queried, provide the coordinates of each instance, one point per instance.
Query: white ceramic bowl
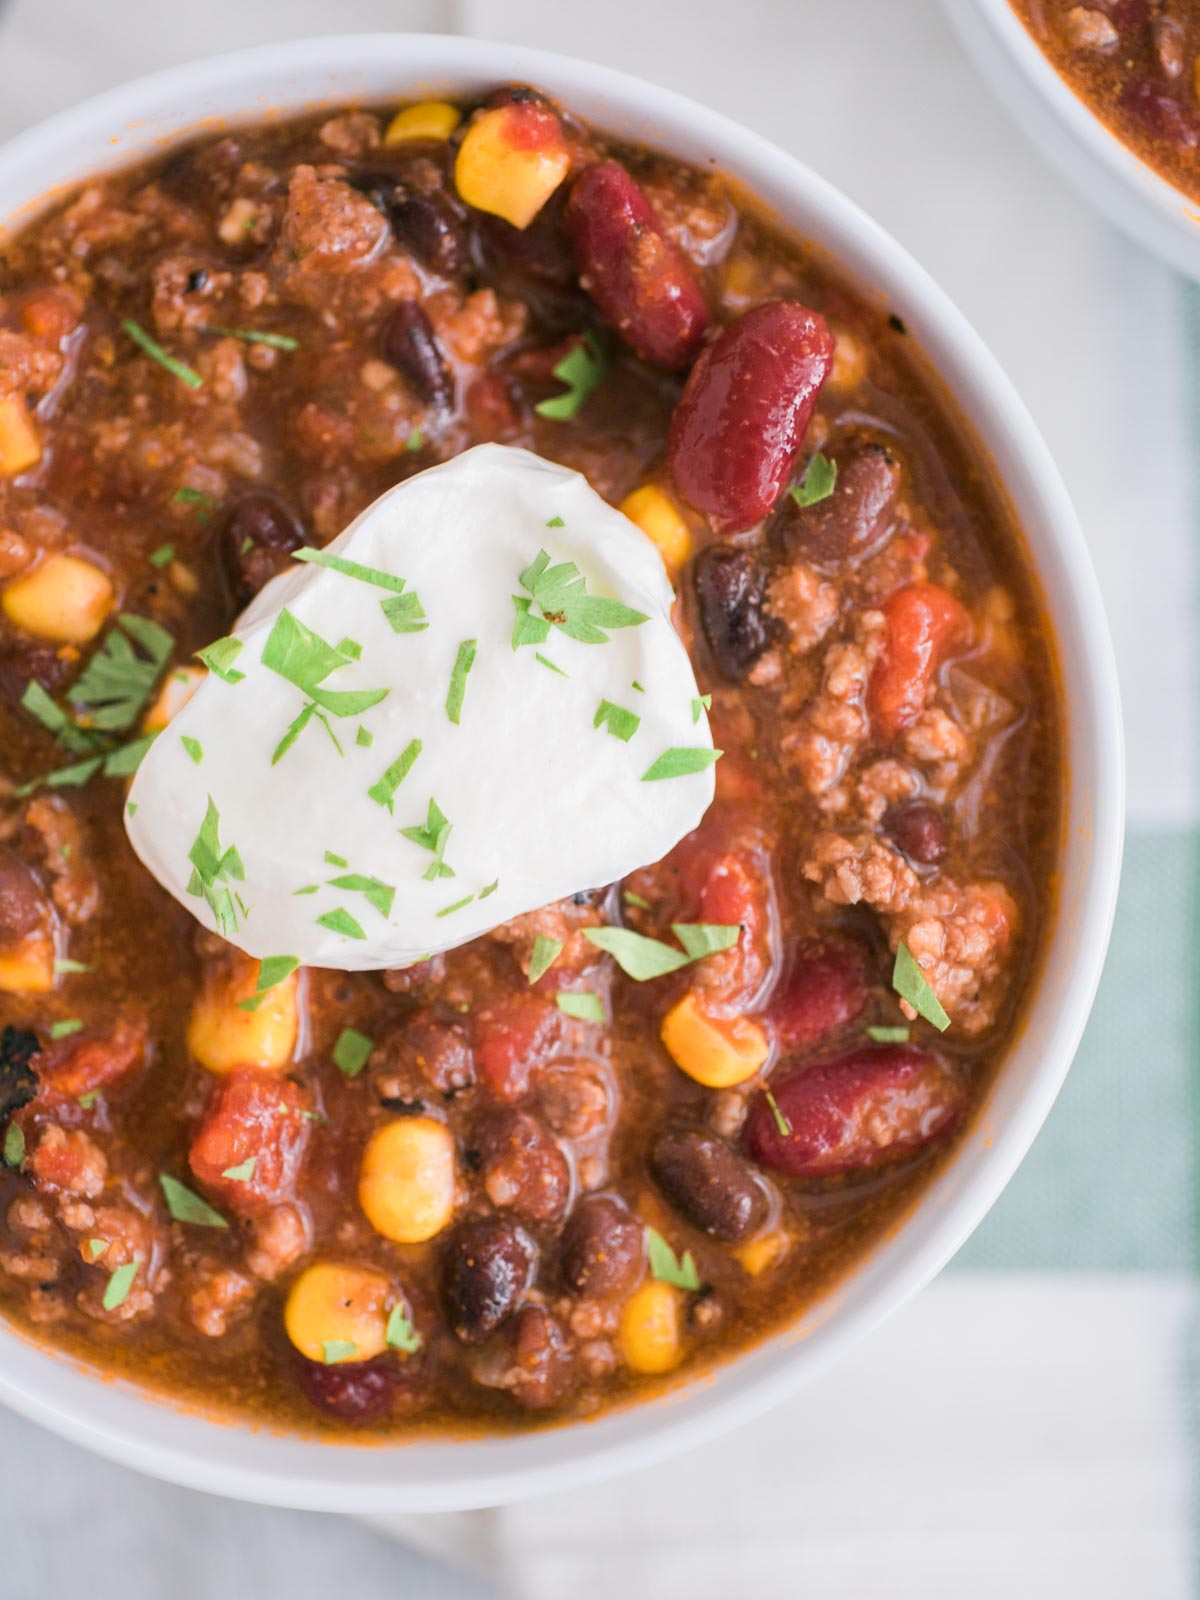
(258, 1464)
(1116, 181)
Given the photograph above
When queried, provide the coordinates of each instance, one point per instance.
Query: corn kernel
(851, 362)
(407, 1179)
(511, 161)
(759, 1255)
(431, 119)
(653, 512)
(223, 1037)
(20, 447)
(63, 598)
(649, 1330)
(716, 1051)
(170, 700)
(336, 1313)
(28, 968)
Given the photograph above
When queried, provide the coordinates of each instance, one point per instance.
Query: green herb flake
(581, 1004)
(335, 861)
(545, 953)
(910, 984)
(702, 939)
(701, 703)
(212, 866)
(456, 905)
(276, 341)
(116, 1291)
(383, 790)
(620, 723)
(88, 1100)
(557, 595)
(309, 888)
(66, 1027)
(400, 1333)
(193, 747)
(65, 964)
(405, 613)
(219, 657)
(352, 1052)
(681, 761)
(186, 1206)
(636, 685)
(120, 677)
(434, 837)
(338, 1350)
(55, 720)
(204, 502)
(272, 971)
(463, 662)
(14, 1145)
(781, 1122)
(350, 569)
(489, 888)
(666, 1266)
(632, 898)
(637, 956)
(243, 1172)
(889, 1035)
(124, 761)
(818, 482)
(163, 556)
(350, 648)
(378, 895)
(131, 809)
(546, 662)
(364, 738)
(303, 658)
(556, 522)
(96, 1247)
(415, 440)
(169, 363)
(582, 370)
(340, 921)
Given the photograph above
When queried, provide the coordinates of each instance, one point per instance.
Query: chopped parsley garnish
(582, 369)
(277, 341)
(303, 658)
(163, 556)
(558, 596)
(243, 1172)
(297, 726)
(88, 1100)
(702, 939)
(546, 662)
(636, 685)
(186, 1206)
(309, 888)
(66, 1027)
(118, 680)
(456, 905)
(338, 1350)
(680, 762)
(383, 790)
(55, 720)
(556, 522)
(212, 866)
(781, 1122)
(340, 921)
(433, 837)
(463, 662)
(404, 613)
(96, 1247)
(666, 1266)
(378, 895)
(400, 1333)
(219, 657)
(351, 648)
(620, 723)
(177, 369)
(415, 440)
(272, 972)
(335, 861)
(632, 898)
(351, 569)
(204, 502)
(489, 888)
(701, 703)
(116, 1291)
(352, 1052)
(545, 953)
(65, 964)
(14, 1145)
(818, 482)
(642, 958)
(364, 738)
(910, 984)
(193, 747)
(889, 1035)
(581, 1004)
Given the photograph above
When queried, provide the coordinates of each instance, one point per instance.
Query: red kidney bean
(873, 1104)
(919, 828)
(923, 624)
(486, 1268)
(355, 1392)
(408, 344)
(23, 906)
(1160, 114)
(603, 1248)
(523, 1170)
(824, 989)
(542, 1366)
(709, 1183)
(731, 588)
(856, 518)
(258, 536)
(637, 275)
(744, 411)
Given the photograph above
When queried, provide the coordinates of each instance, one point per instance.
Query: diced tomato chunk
(923, 623)
(513, 1037)
(736, 890)
(87, 1062)
(255, 1127)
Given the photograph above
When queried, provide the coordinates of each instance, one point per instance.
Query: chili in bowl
(351, 462)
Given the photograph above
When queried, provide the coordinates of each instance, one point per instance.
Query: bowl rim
(1132, 194)
(159, 1437)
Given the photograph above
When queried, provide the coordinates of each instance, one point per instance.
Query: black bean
(258, 536)
(603, 1248)
(855, 519)
(730, 584)
(486, 1266)
(408, 343)
(709, 1183)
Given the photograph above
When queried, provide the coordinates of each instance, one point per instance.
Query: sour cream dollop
(432, 725)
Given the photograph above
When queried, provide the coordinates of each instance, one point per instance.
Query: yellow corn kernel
(851, 362)
(653, 512)
(431, 119)
(649, 1331)
(223, 1037)
(407, 1179)
(20, 447)
(717, 1051)
(64, 598)
(758, 1255)
(511, 161)
(28, 968)
(170, 700)
(336, 1313)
